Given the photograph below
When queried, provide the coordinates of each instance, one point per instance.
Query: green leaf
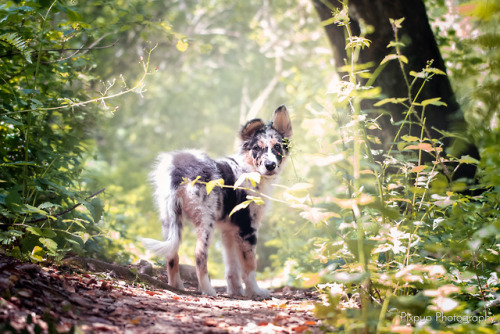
(12, 121)
(48, 233)
(96, 209)
(35, 230)
(73, 16)
(31, 209)
(396, 23)
(394, 43)
(416, 305)
(393, 57)
(420, 75)
(13, 198)
(434, 71)
(50, 244)
(368, 246)
(48, 205)
(467, 159)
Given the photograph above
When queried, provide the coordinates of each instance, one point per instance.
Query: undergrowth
(51, 101)
(411, 250)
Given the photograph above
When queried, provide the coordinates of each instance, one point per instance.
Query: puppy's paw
(178, 285)
(236, 291)
(258, 293)
(209, 292)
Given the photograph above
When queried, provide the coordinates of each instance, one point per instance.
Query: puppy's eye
(277, 147)
(256, 148)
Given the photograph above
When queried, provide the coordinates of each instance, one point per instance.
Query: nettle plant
(409, 250)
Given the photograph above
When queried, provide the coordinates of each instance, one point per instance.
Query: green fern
(17, 42)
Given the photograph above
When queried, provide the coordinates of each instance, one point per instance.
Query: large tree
(420, 48)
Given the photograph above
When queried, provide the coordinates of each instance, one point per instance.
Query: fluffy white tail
(167, 248)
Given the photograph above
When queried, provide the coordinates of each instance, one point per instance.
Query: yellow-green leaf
(409, 138)
(37, 254)
(182, 45)
(390, 100)
(253, 177)
(195, 180)
(435, 102)
(211, 184)
(240, 206)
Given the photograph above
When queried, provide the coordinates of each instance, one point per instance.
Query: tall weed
(412, 251)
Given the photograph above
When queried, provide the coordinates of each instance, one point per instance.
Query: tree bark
(420, 48)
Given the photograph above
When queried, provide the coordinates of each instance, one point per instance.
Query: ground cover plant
(414, 248)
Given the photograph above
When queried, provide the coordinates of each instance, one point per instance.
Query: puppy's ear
(251, 128)
(281, 122)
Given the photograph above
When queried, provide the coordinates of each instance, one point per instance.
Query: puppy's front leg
(232, 264)
(248, 259)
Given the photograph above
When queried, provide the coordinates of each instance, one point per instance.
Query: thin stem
(27, 128)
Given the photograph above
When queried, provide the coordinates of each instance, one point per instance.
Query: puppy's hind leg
(204, 231)
(174, 277)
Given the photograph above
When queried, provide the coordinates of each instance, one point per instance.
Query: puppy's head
(265, 146)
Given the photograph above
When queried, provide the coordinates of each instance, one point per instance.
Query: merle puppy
(264, 149)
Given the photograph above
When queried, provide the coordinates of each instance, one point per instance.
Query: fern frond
(17, 42)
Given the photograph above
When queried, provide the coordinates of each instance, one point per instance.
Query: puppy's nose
(270, 165)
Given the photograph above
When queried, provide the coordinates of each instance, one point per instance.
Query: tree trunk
(420, 48)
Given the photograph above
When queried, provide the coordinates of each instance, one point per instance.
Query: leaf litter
(61, 299)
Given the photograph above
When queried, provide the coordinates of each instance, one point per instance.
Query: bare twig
(67, 210)
(90, 48)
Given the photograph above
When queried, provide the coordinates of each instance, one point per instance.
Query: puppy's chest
(236, 208)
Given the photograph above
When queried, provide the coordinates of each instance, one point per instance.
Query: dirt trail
(61, 299)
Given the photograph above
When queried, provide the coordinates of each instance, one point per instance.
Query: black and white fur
(264, 149)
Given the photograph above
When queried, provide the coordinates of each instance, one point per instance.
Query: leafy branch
(139, 87)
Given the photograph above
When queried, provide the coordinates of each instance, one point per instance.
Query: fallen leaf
(209, 322)
(300, 329)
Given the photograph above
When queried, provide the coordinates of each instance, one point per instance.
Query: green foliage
(51, 103)
(411, 244)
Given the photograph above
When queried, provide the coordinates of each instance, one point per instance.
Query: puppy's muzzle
(270, 165)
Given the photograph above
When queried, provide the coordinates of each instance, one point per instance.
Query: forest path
(54, 299)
